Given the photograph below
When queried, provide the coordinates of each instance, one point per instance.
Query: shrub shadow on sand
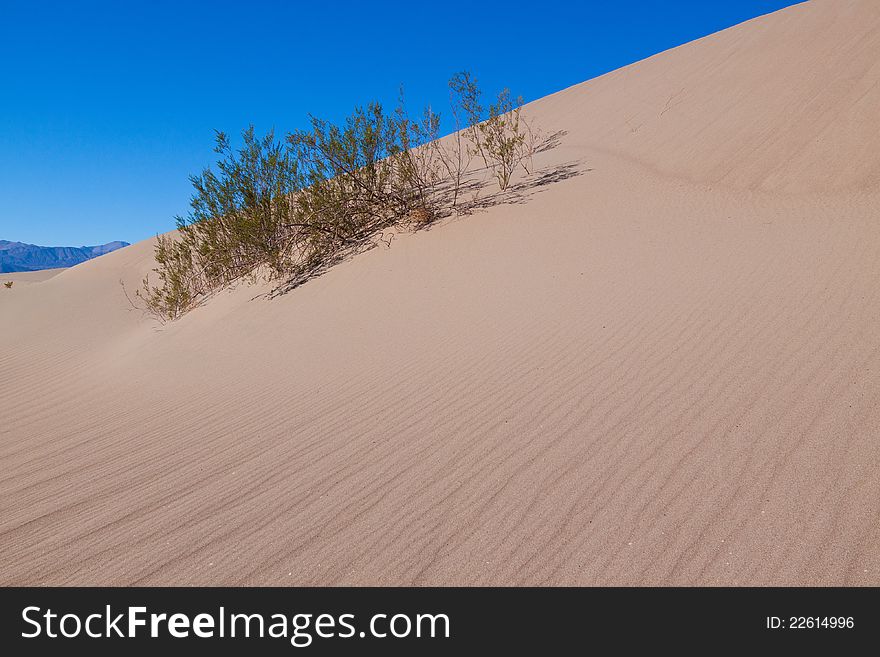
(474, 196)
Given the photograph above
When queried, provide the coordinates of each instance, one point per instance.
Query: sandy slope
(663, 370)
(21, 278)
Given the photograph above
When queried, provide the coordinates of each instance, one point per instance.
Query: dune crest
(661, 370)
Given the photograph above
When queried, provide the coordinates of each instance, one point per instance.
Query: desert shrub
(238, 223)
(281, 209)
(465, 101)
(372, 171)
(418, 162)
(181, 284)
(502, 137)
(455, 154)
(240, 215)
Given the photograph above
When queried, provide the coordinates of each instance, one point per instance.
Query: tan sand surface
(28, 277)
(662, 370)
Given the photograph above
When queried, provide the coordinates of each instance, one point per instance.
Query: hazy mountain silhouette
(18, 256)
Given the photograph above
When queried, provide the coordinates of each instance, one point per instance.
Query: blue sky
(107, 107)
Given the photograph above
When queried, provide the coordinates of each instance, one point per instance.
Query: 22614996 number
(810, 622)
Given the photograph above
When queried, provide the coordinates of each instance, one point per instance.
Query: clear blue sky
(107, 107)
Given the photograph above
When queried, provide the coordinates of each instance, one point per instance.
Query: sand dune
(662, 370)
(28, 277)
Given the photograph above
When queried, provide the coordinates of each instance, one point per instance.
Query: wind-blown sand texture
(662, 370)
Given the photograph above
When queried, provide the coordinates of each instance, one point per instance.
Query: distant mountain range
(18, 256)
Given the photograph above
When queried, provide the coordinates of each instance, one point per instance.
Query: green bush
(280, 209)
(238, 223)
(503, 138)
